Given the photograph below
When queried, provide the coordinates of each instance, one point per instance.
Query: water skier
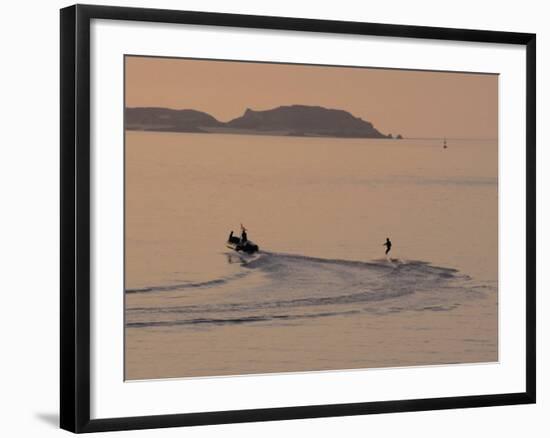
(387, 244)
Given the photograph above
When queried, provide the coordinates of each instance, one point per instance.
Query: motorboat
(235, 243)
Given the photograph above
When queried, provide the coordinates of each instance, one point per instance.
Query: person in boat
(244, 236)
(387, 244)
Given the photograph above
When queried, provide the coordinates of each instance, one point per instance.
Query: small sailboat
(445, 143)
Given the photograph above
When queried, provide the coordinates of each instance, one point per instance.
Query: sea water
(321, 294)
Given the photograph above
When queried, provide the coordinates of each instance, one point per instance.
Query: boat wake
(277, 288)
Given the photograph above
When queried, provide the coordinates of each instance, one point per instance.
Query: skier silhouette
(387, 244)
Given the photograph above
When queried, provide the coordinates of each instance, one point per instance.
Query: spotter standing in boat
(244, 236)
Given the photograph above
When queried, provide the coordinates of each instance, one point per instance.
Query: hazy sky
(411, 103)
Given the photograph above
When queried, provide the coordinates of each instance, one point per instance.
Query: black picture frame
(75, 217)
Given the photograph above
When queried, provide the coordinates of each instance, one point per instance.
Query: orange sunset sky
(411, 103)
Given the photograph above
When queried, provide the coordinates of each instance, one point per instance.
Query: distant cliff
(164, 119)
(306, 120)
(293, 120)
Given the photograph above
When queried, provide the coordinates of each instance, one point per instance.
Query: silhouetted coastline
(291, 120)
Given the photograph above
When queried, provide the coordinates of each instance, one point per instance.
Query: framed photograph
(268, 218)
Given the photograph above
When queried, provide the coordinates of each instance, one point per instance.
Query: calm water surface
(320, 295)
